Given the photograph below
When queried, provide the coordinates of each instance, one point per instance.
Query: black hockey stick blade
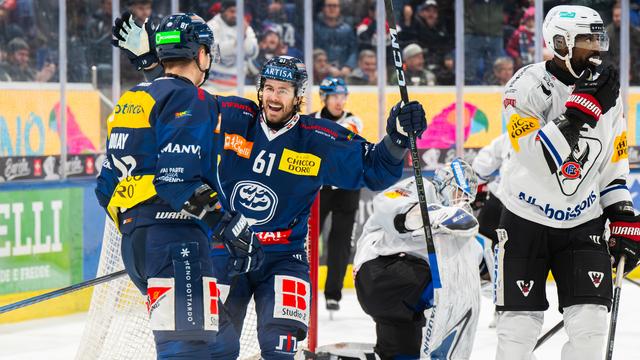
(549, 334)
(415, 159)
(56, 293)
(615, 307)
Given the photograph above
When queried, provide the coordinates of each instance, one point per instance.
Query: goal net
(117, 325)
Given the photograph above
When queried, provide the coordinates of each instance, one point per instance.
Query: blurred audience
(445, 74)
(336, 37)
(613, 31)
(224, 74)
(483, 40)
(321, 67)
(415, 73)
(521, 46)
(503, 69)
(427, 31)
(18, 65)
(366, 72)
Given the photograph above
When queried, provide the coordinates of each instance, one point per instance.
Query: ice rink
(58, 338)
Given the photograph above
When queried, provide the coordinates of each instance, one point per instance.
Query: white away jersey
(570, 186)
(490, 159)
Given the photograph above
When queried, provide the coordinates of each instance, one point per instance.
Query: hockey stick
(415, 159)
(615, 307)
(60, 292)
(549, 334)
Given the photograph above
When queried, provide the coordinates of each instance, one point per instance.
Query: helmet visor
(594, 42)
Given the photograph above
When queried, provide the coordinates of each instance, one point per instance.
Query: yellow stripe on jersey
(131, 191)
(132, 111)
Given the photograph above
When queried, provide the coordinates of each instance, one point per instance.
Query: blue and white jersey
(272, 177)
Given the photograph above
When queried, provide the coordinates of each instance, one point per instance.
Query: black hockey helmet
(180, 35)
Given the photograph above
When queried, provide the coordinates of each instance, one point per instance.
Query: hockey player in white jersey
(568, 164)
(393, 280)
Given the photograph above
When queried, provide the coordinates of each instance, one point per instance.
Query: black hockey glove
(402, 119)
(482, 196)
(625, 234)
(593, 97)
(137, 42)
(244, 248)
(204, 205)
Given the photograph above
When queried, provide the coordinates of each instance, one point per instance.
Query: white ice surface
(58, 338)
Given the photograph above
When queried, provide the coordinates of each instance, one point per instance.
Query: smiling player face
(278, 100)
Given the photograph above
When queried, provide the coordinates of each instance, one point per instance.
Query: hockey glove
(405, 118)
(204, 205)
(625, 239)
(137, 42)
(244, 248)
(593, 96)
(481, 197)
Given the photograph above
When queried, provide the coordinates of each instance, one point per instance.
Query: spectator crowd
(499, 37)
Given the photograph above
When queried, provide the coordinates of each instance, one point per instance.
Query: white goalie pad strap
(211, 305)
(292, 297)
(444, 219)
(161, 303)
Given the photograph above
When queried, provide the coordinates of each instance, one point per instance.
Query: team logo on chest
(254, 200)
(577, 166)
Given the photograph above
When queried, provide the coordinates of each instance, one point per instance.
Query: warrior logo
(596, 278)
(254, 200)
(525, 286)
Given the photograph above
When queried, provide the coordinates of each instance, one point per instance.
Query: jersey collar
(271, 133)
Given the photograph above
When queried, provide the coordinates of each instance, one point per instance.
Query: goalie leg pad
(586, 326)
(517, 334)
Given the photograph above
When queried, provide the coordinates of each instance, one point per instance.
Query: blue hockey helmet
(284, 68)
(332, 85)
(179, 36)
(456, 183)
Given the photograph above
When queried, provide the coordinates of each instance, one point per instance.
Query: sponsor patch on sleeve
(519, 127)
(620, 148)
(296, 163)
(238, 144)
(291, 299)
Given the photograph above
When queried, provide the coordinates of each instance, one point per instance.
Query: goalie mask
(456, 183)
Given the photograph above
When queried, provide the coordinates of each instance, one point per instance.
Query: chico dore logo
(296, 163)
(254, 200)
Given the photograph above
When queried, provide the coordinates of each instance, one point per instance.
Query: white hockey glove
(444, 219)
(137, 42)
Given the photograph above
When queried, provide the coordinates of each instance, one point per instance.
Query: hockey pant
(168, 261)
(282, 294)
(342, 205)
(389, 289)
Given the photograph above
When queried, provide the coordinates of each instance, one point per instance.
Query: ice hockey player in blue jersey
(270, 171)
(272, 163)
(158, 184)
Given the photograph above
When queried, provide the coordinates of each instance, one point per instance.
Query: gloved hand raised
(405, 118)
(593, 96)
(138, 42)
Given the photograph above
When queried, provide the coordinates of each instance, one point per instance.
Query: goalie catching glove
(138, 42)
(444, 219)
(244, 248)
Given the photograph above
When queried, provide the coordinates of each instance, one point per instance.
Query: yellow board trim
(62, 305)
